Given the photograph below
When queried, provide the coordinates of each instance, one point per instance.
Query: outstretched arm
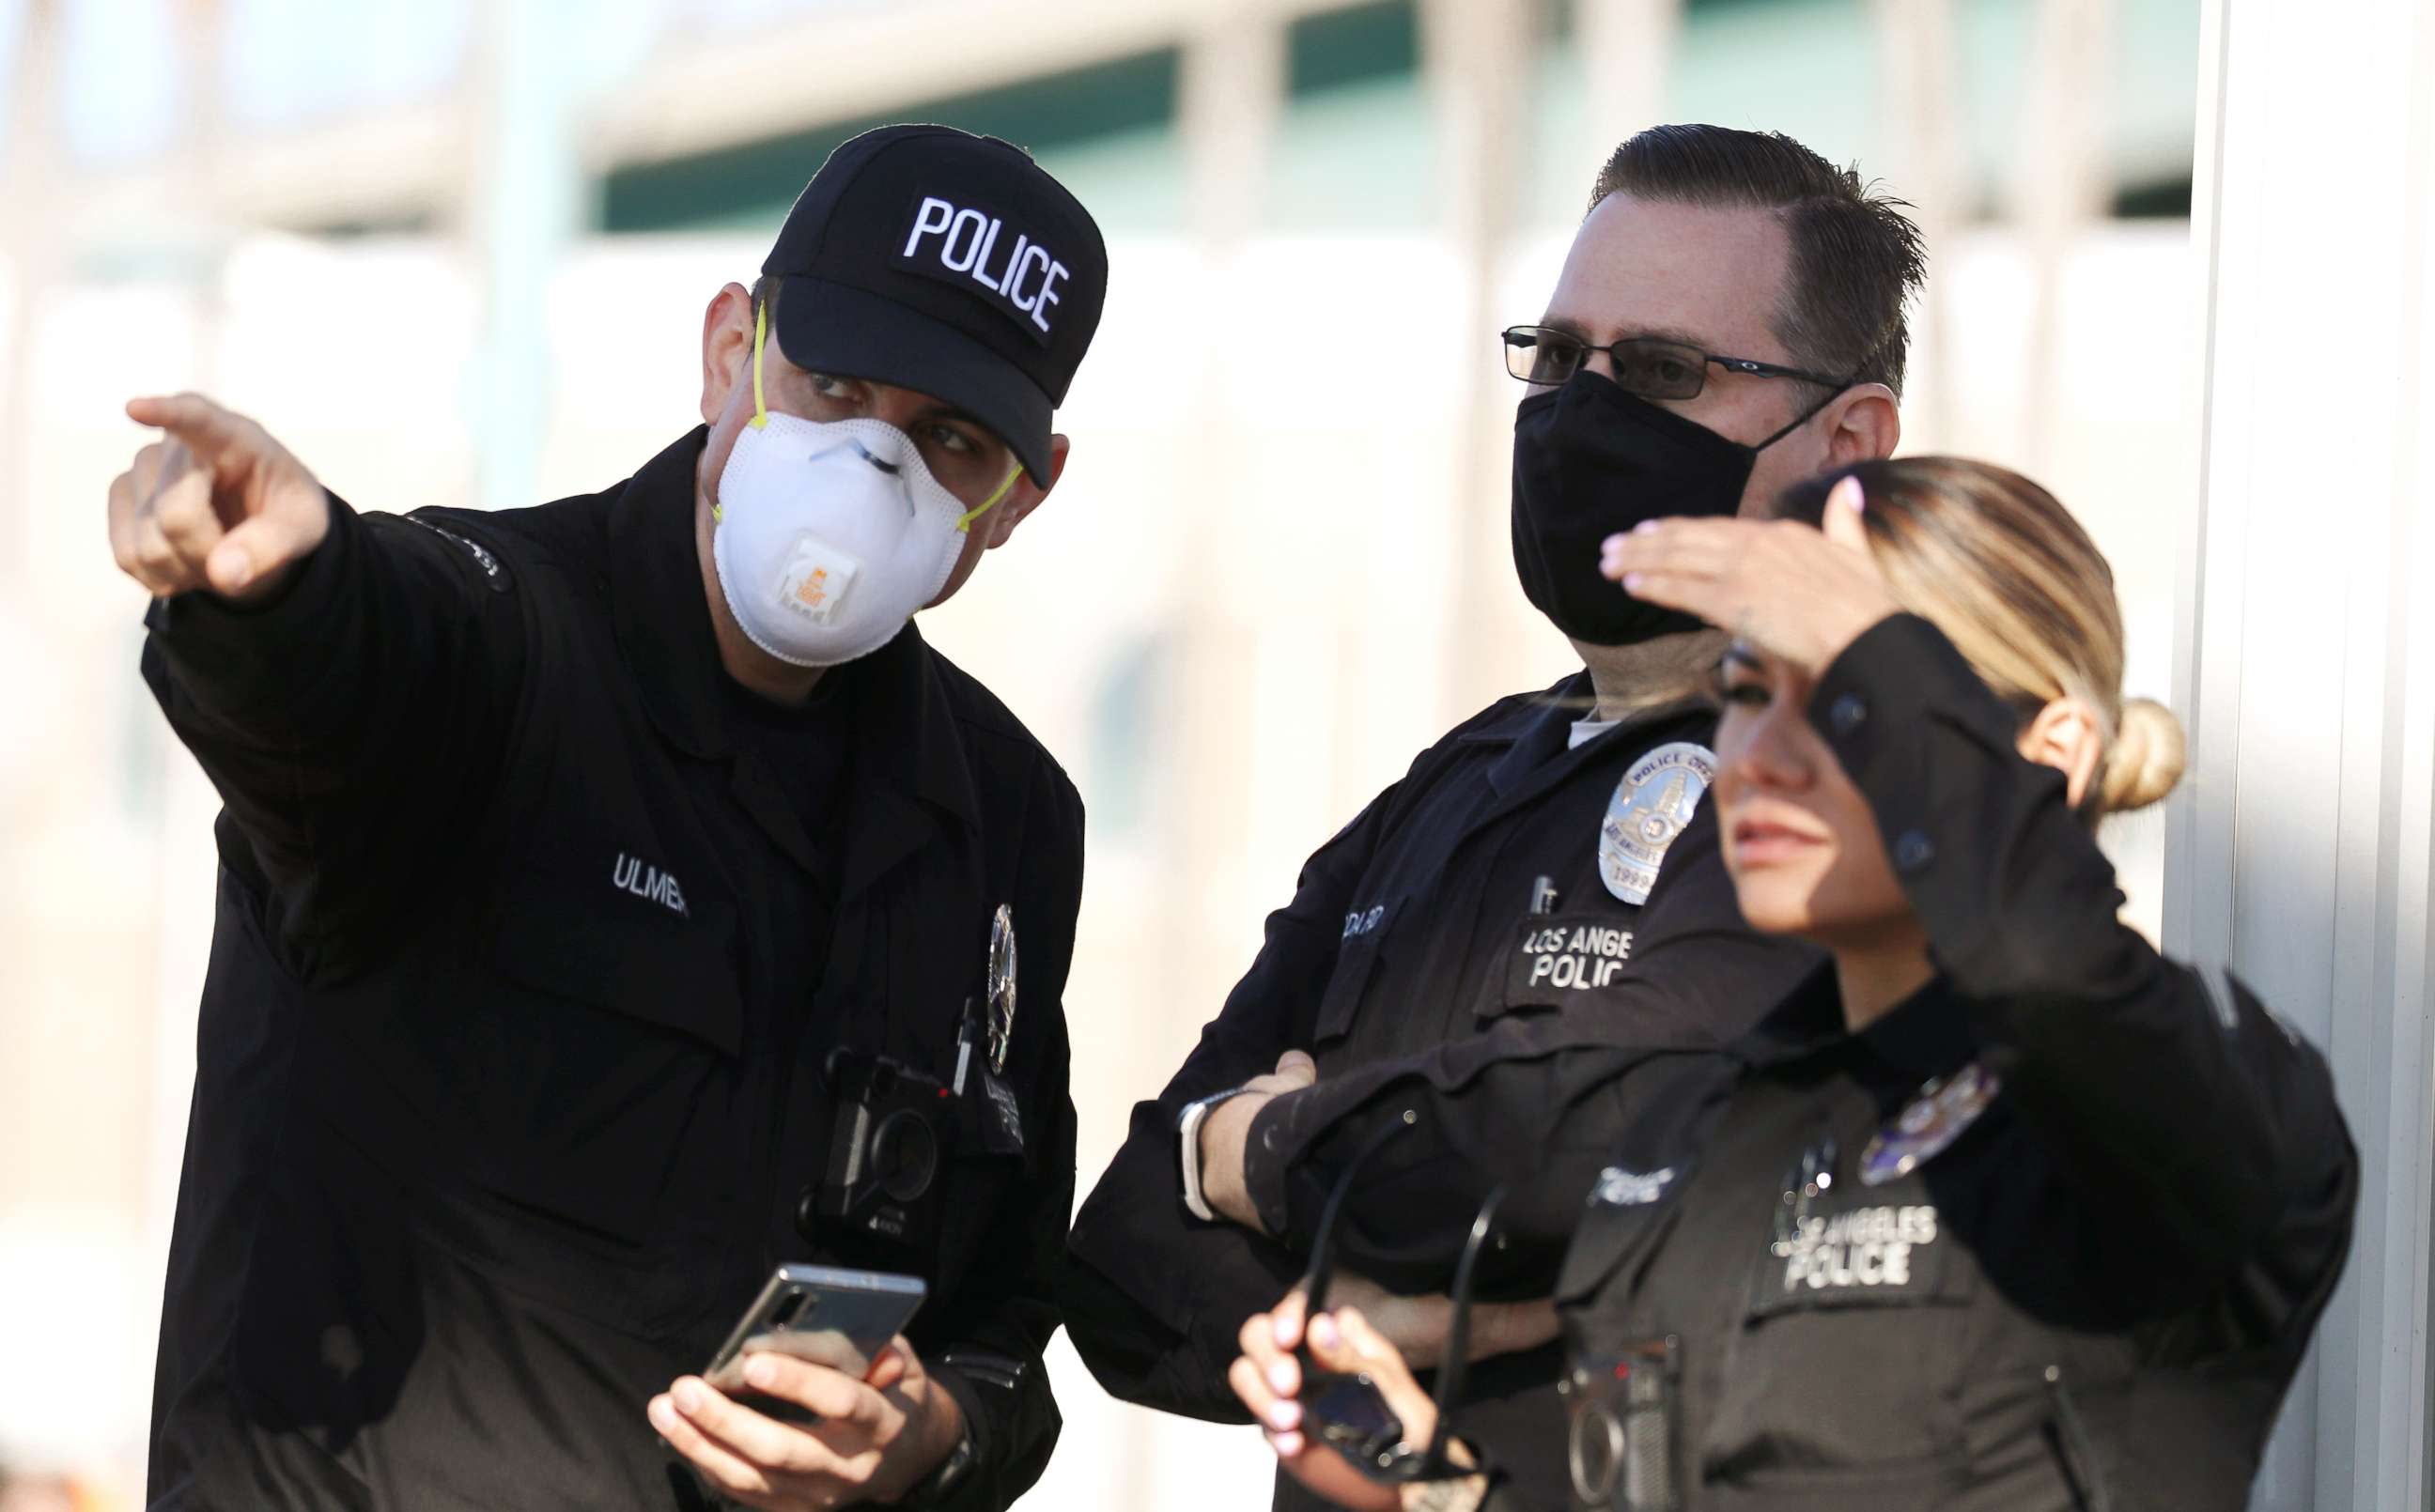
(346, 682)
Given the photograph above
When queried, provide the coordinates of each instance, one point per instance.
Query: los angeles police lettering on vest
(1873, 1252)
(966, 242)
(1564, 954)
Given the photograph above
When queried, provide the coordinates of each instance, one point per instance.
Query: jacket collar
(1923, 1037)
(1538, 729)
(661, 616)
(1533, 730)
(907, 745)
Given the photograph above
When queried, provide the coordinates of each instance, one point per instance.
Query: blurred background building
(459, 252)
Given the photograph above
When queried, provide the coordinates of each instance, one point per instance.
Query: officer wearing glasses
(1538, 900)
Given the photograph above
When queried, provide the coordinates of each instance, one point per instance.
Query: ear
(2067, 736)
(1027, 495)
(1863, 425)
(726, 349)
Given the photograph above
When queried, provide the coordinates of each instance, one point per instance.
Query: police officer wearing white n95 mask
(596, 876)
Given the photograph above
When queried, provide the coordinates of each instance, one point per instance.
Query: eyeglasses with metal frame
(1650, 367)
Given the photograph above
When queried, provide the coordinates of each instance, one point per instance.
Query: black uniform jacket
(2089, 1289)
(506, 1089)
(1409, 944)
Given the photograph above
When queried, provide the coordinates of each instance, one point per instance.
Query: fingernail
(688, 1395)
(1285, 1415)
(1288, 1445)
(1632, 582)
(1282, 1332)
(1281, 1376)
(1322, 1331)
(659, 1411)
(760, 1371)
(1644, 527)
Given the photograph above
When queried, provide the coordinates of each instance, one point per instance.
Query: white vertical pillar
(1921, 152)
(523, 206)
(2058, 186)
(1628, 48)
(2299, 846)
(29, 168)
(1475, 60)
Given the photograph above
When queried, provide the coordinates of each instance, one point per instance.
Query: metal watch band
(1188, 1136)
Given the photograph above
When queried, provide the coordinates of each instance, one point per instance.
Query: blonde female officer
(2000, 1209)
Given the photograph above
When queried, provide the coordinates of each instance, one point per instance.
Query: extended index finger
(204, 426)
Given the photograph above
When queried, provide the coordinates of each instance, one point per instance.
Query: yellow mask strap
(990, 503)
(760, 328)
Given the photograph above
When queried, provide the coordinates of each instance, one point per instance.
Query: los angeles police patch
(1651, 804)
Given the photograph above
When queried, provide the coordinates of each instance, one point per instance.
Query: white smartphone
(839, 1318)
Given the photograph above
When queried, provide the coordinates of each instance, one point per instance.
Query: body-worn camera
(878, 1204)
(1621, 1414)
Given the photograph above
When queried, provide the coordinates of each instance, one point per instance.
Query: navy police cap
(946, 262)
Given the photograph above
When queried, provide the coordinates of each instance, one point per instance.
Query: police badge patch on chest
(1930, 1122)
(1651, 804)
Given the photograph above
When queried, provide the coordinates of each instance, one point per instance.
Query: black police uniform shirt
(2052, 1233)
(1411, 935)
(528, 955)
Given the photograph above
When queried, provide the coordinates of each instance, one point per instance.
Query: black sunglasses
(1651, 366)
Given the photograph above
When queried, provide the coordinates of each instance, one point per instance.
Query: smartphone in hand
(839, 1318)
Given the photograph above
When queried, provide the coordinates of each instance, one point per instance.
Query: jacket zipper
(2078, 1454)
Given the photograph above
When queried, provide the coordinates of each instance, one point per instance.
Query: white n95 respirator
(829, 535)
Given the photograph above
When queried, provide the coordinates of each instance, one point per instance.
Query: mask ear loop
(760, 421)
(965, 522)
(1807, 415)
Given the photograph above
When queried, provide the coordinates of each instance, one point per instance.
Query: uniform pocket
(1877, 1487)
(1553, 961)
(596, 1085)
(677, 973)
(1357, 959)
(1848, 1361)
(1000, 1132)
(1627, 1216)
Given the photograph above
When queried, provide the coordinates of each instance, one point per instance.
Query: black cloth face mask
(1591, 459)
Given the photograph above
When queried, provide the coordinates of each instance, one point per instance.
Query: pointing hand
(215, 503)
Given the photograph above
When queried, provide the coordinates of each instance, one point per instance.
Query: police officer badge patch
(1927, 1123)
(1651, 804)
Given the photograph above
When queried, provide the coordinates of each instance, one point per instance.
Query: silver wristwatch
(1187, 1148)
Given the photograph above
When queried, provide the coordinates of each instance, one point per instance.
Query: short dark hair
(1857, 258)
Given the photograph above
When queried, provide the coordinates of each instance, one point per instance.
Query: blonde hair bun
(2146, 759)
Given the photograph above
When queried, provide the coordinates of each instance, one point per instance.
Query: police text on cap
(960, 240)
